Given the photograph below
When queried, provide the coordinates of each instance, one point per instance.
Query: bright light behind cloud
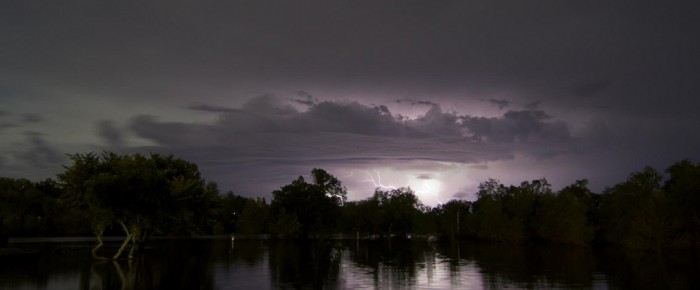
(427, 190)
(433, 182)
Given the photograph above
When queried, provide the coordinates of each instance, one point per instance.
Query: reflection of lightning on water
(377, 182)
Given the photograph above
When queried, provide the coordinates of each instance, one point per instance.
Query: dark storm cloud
(479, 166)
(591, 88)
(7, 126)
(518, 126)
(533, 105)
(210, 108)
(500, 103)
(352, 118)
(424, 176)
(171, 133)
(415, 102)
(435, 122)
(421, 48)
(307, 100)
(347, 120)
(109, 132)
(30, 118)
(267, 133)
(32, 156)
(39, 153)
(268, 105)
(270, 114)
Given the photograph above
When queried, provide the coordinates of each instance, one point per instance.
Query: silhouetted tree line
(137, 196)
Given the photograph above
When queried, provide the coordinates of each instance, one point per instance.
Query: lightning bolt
(352, 172)
(378, 181)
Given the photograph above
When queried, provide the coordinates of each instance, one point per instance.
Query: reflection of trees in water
(393, 262)
(177, 264)
(43, 266)
(304, 264)
(247, 252)
(651, 269)
(190, 264)
(503, 265)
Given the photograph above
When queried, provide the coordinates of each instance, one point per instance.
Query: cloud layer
(269, 132)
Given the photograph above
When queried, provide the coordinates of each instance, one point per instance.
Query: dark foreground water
(346, 264)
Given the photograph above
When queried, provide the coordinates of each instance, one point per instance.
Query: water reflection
(304, 265)
(349, 264)
(176, 264)
(404, 264)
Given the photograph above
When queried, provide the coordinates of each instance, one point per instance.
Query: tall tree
(683, 188)
(229, 209)
(254, 217)
(139, 193)
(507, 213)
(397, 210)
(315, 205)
(452, 218)
(561, 217)
(24, 208)
(636, 212)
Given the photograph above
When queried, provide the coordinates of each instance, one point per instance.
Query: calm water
(348, 264)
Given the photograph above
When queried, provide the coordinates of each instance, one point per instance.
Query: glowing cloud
(427, 189)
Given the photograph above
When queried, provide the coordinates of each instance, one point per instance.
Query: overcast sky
(436, 95)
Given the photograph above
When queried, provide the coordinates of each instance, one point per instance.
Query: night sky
(436, 95)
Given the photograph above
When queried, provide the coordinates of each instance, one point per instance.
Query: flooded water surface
(343, 264)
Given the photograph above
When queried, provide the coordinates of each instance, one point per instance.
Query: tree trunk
(99, 245)
(120, 274)
(135, 241)
(129, 237)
